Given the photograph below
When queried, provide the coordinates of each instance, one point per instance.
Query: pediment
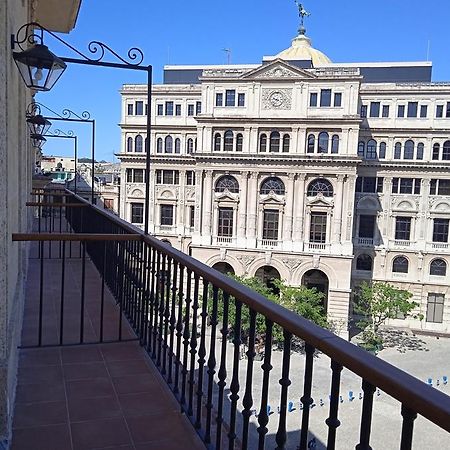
(272, 198)
(278, 70)
(442, 207)
(225, 195)
(405, 205)
(320, 200)
(167, 193)
(370, 203)
(137, 193)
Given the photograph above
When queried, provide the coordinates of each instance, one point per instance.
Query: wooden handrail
(74, 237)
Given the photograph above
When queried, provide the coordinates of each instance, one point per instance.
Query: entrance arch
(267, 274)
(317, 279)
(223, 267)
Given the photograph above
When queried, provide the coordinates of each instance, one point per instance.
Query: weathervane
(302, 13)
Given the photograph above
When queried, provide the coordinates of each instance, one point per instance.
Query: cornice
(291, 120)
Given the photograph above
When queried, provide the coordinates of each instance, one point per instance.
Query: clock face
(276, 98)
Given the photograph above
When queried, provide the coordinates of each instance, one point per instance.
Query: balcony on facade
(187, 321)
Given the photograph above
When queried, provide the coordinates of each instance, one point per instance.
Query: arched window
(438, 267)
(227, 183)
(364, 262)
(228, 141)
(177, 145)
(398, 151)
(145, 144)
(320, 186)
(382, 150)
(217, 142)
(420, 148)
(190, 145)
(272, 184)
(400, 264)
(323, 142)
(138, 142)
(335, 144)
(168, 144)
(446, 151)
(436, 151)
(239, 142)
(371, 150)
(129, 144)
(262, 143)
(286, 143)
(361, 149)
(159, 145)
(409, 150)
(311, 143)
(274, 141)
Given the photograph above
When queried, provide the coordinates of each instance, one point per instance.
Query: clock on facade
(276, 98)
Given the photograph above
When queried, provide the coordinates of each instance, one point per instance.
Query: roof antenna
(228, 52)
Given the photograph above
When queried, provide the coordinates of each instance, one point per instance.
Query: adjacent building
(318, 173)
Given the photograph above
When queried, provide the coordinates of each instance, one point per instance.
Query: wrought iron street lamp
(37, 140)
(38, 124)
(40, 69)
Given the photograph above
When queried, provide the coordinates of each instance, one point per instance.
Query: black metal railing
(190, 319)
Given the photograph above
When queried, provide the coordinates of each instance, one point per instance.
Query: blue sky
(196, 31)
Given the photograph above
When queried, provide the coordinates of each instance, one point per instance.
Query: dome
(301, 50)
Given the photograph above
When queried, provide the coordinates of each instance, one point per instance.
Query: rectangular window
(198, 107)
(129, 175)
(395, 185)
(169, 108)
(137, 213)
(406, 185)
(363, 111)
(318, 229)
(439, 111)
(225, 222)
(108, 203)
(241, 99)
(130, 109)
(190, 111)
(412, 109)
(138, 176)
(435, 308)
(159, 176)
(139, 108)
(374, 109)
(423, 111)
(325, 97)
(146, 109)
(337, 99)
(366, 226)
(417, 183)
(160, 110)
(443, 187)
(401, 111)
(313, 99)
(178, 110)
(380, 185)
(403, 228)
(166, 215)
(447, 110)
(433, 187)
(191, 216)
(440, 230)
(190, 178)
(270, 224)
(230, 97)
(167, 177)
(369, 184)
(219, 99)
(385, 111)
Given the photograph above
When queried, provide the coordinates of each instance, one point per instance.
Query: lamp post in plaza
(41, 69)
(39, 125)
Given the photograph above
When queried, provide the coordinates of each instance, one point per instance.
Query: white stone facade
(339, 174)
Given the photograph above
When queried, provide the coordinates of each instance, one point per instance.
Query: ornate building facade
(317, 173)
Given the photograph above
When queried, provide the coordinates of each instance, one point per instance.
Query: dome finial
(302, 13)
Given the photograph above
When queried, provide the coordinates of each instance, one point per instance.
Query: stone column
(198, 207)
(252, 197)
(207, 198)
(337, 211)
(299, 206)
(289, 210)
(242, 218)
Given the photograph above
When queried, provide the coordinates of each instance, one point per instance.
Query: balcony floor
(92, 396)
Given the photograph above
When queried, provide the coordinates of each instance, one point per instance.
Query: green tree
(377, 302)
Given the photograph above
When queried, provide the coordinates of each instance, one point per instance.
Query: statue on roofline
(302, 13)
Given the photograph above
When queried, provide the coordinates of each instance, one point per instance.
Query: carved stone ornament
(277, 99)
(291, 264)
(246, 260)
(278, 72)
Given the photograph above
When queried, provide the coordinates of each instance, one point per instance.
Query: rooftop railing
(197, 325)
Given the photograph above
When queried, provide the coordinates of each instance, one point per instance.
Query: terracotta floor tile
(40, 392)
(124, 368)
(39, 414)
(80, 354)
(33, 375)
(122, 351)
(39, 357)
(147, 403)
(89, 388)
(134, 384)
(80, 371)
(99, 434)
(83, 409)
(38, 438)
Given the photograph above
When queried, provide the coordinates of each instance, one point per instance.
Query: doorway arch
(267, 274)
(224, 267)
(317, 279)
